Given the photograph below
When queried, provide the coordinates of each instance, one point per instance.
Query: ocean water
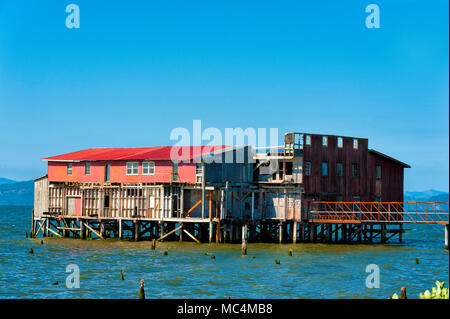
(314, 270)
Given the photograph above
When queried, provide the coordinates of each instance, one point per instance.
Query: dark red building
(340, 168)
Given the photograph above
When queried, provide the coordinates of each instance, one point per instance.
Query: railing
(388, 212)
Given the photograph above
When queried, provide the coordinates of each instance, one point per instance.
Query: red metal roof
(138, 153)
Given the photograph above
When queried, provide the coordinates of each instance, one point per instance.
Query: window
(378, 199)
(289, 168)
(308, 139)
(378, 167)
(198, 169)
(324, 141)
(307, 168)
(106, 201)
(148, 168)
(175, 171)
(69, 168)
(324, 169)
(107, 172)
(355, 143)
(339, 169)
(356, 199)
(340, 142)
(132, 168)
(355, 170)
(87, 168)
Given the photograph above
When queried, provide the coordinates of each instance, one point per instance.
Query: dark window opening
(339, 169)
(324, 169)
(307, 168)
(106, 201)
(288, 168)
(355, 170)
(378, 168)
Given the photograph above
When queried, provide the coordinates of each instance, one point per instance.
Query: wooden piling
(82, 229)
(280, 232)
(210, 228)
(446, 236)
(244, 239)
(137, 230)
(294, 232)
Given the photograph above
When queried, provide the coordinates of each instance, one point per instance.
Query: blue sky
(137, 69)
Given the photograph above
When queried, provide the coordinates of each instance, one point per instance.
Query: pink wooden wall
(57, 172)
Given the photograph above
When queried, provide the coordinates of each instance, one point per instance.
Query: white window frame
(132, 168)
(340, 142)
(355, 144)
(308, 139)
(325, 139)
(201, 169)
(150, 166)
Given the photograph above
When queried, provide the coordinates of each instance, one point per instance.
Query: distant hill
(6, 181)
(17, 193)
(431, 195)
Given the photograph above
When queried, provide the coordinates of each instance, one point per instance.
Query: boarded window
(339, 169)
(324, 140)
(148, 168)
(378, 168)
(132, 168)
(324, 169)
(69, 168)
(87, 168)
(355, 170)
(340, 143)
(307, 168)
(355, 143)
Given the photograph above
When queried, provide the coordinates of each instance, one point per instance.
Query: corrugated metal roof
(138, 153)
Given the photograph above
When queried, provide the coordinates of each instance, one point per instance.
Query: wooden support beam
(42, 223)
(52, 231)
(169, 233)
(192, 236)
(92, 230)
(192, 208)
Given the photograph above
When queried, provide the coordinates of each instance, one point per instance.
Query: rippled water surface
(314, 270)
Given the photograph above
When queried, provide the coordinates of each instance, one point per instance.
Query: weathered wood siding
(40, 196)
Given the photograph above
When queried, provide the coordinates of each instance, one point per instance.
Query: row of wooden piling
(225, 231)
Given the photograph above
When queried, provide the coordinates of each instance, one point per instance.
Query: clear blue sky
(137, 69)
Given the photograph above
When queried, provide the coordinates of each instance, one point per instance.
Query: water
(314, 270)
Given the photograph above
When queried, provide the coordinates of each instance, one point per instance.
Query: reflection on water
(314, 270)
